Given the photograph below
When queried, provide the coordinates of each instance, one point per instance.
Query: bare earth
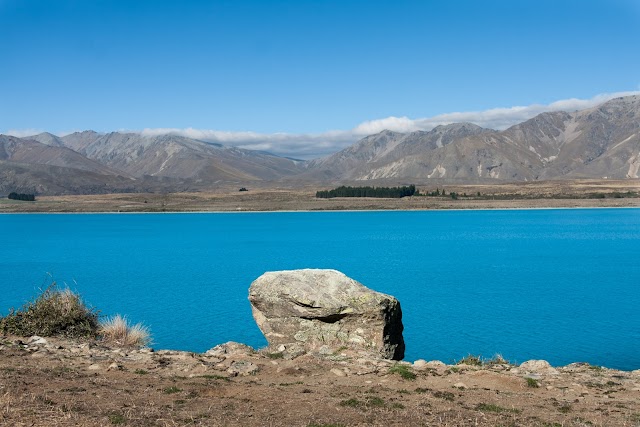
(553, 194)
(70, 383)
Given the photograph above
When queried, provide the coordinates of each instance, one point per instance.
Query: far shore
(538, 195)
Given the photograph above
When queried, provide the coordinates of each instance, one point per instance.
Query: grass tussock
(403, 371)
(532, 382)
(478, 360)
(117, 331)
(55, 312)
(470, 360)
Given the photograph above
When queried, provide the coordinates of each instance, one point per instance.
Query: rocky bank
(57, 382)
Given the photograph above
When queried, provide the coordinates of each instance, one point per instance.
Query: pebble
(37, 340)
(460, 385)
(94, 367)
(338, 372)
(243, 368)
(420, 364)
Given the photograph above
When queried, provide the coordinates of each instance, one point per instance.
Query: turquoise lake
(561, 285)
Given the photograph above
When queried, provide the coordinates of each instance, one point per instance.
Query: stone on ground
(315, 308)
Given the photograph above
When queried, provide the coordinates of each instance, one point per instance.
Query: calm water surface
(561, 285)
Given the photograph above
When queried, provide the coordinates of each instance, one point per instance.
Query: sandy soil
(553, 194)
(70, 383)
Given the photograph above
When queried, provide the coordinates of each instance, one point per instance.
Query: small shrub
(375, 401)
(403, 371)
(470, 360)
(446, 395)
(117, 330)
(140, 372)
(116, 419)
(532, 382)
(215, 377)
(497, 359)
(275, 355)
(490, 407)
(566, 408)
(55, 312)
(352, 403)
(171, 390)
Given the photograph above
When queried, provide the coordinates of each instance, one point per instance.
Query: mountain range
(601, 142)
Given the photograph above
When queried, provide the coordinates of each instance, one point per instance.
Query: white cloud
(311, 145)
(397, 124)
(320, 144)
(21, 133)
(498, 118)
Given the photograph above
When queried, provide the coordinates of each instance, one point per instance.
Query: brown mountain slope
(179, 157)
(380, 155)
(29, 151)
(54, 180)
(594, 143)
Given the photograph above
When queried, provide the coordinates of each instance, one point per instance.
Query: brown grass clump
(117, 330)
(55, 312)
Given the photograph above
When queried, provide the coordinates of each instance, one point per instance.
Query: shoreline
(541, 208)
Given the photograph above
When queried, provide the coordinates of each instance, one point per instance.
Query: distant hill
(596, 143)
(89, 162)
(600, 142)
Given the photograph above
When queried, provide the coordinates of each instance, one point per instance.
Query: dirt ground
(553, 194)
(56, 382)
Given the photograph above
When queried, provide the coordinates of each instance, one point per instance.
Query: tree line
(22, 196)
(379, 192)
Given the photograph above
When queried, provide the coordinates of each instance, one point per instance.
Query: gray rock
(538, 366)
(420, 364)
(243, 368)
(316, 308)
(228, 349)
(37, 340)
(338, 372)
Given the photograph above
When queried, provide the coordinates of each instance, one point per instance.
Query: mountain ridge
(599, 142)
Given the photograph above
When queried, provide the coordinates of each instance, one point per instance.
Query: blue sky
(281, 75)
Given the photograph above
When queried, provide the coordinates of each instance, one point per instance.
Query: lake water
(561, 285)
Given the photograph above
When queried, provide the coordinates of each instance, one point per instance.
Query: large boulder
(313, 309)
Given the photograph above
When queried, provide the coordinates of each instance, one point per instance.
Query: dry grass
(54, 312)
(117, 330)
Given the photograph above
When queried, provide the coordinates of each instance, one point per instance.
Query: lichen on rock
(314, 308)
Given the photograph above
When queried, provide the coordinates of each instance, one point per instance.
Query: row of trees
(379, 192)
(21, 196)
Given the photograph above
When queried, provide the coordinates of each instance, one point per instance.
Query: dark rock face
(313, 309)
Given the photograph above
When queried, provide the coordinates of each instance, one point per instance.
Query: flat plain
(546, 194)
